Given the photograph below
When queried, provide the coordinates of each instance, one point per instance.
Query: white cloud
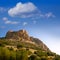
(49, 14)
(28, 10)
(46, 15)
(5, 18)
(11, 22)
(8, 21)
(22, 9)
(25, 23)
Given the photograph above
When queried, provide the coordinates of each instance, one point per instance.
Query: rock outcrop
(17, 35)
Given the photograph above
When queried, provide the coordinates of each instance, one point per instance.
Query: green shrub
(19, 46)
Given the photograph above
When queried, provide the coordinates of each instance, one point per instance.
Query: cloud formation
(22, 9)
(28, 10)
(8, 21)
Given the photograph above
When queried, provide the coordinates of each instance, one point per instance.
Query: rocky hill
(23, 36)
(18, 45)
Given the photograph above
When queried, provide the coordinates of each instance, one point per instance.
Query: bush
(19, 46)
(10, 48)
(33, 57)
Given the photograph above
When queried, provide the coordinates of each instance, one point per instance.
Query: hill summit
(18, 35)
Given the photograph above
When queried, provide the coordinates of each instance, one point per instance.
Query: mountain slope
(22, 36)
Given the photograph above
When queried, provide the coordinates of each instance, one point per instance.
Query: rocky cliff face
(23, 36)
(18, 35)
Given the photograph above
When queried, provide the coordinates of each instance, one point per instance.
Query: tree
(4, 54)
(57, 57)
(12, 55)
(33, 57)
(21, 55)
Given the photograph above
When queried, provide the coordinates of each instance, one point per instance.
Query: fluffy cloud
(22, 9)
(28, 10)
(8, 21)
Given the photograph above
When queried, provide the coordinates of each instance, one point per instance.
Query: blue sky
(41, 18)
